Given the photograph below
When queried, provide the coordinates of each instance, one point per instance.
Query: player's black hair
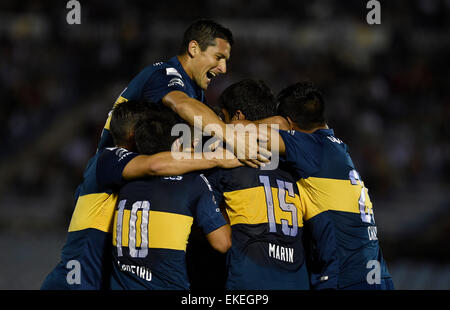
(204, 31)
(153, 133)
(253, 97)
(217, 108)
(124, 117)
(304, 104)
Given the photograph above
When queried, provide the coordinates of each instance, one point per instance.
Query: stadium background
(387, 88)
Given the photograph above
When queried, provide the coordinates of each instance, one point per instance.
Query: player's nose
(222, 67)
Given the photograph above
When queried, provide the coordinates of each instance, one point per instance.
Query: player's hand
(228, 160)
(251, 148)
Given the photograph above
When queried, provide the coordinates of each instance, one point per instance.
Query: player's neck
(185, 61)
(325, 126)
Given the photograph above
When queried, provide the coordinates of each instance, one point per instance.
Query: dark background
(387, 87)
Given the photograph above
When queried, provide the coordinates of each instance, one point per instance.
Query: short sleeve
(162, 82)
(303, 152)
(214, 176)
(206, 212)
(110, 166)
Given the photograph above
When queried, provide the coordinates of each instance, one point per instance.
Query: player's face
(211, 62)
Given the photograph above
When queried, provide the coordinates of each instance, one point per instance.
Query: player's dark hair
(253, 97)
(153, 133)
(204, 31)
(217, 108)
(304, 104)
(124, 117)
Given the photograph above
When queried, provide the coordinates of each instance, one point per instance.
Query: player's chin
(205, 83)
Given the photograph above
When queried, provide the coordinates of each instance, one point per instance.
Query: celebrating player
(329, 183)
(154, 217)
(85, 257)
(180, 82)
(265, 211)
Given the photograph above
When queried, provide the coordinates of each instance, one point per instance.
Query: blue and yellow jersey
(91, 223)
(89, 237)
(266, 219)
(329, 182)
(157, 80)
(152, 224)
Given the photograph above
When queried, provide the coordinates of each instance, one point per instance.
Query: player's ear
(291, 123)
(131, 142)
(193, 48)
(238, 115)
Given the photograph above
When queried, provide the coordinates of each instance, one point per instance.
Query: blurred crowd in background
(387, 89)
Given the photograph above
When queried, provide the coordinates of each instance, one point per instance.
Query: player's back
(266, 221)
(332, 184)
(152, 224)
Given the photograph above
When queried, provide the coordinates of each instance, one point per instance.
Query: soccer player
(180, 82)
(329, 181)
(154, 218)
(264, 210)
(85, 255)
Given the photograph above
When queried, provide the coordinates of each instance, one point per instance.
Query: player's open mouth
(210, 75)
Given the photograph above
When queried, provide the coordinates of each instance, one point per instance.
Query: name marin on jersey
(281, 253)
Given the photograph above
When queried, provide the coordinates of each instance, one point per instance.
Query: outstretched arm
(269, 133)
(166, 164)
(188, 108)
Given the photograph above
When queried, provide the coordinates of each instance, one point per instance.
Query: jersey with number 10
(90, 228)
(328, 182)
(152, 224)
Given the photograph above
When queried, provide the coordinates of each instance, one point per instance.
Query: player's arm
(209, 216)
(116, 165)
(188, 108)
(166, 164)
(277, 120)
(269, 134)
(220, 239)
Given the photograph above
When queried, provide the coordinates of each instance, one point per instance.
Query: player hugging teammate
(305, 223)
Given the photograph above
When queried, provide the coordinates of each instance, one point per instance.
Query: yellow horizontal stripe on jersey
(248, 206)
(94, 211)
(321, 194)
(165, 230)
(108, 120)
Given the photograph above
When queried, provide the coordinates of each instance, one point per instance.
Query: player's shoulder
(164, 71)
(198, 181)
(159, 66)
(116, 151)
(168, 67)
